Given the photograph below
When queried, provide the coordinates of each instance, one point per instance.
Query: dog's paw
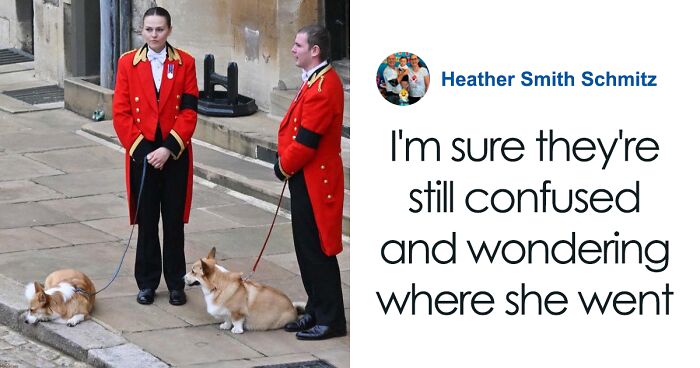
(71, 324)
(237, 329)
(225, 326)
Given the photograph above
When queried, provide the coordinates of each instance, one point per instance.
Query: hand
(159, 157)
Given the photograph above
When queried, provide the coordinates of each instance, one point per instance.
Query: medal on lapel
(171, 68)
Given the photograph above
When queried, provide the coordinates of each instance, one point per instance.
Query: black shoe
(305, 322)
(320, 332)
(146, 296)
(178, 297)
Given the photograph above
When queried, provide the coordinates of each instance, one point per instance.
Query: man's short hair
(319, 36)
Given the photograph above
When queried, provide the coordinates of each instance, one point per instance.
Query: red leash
(279, 203)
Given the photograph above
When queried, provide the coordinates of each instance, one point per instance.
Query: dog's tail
(300, 307)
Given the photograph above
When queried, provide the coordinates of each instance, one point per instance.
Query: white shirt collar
(160, 56)
(307, 73)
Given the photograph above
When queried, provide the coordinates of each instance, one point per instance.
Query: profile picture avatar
(403, 78)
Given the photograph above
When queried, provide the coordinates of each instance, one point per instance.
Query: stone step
(254, 136)
(281, 99)
(234, 170)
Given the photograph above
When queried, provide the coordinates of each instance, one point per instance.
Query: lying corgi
(67, 296)
(242, 304)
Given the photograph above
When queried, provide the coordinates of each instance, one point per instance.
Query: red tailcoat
(309, 139)
(137, 112)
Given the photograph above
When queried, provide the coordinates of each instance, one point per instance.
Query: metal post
(208, 69)
(232, 81)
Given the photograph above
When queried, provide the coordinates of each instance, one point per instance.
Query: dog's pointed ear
(38, 288)
(206, 270)
(212, 253)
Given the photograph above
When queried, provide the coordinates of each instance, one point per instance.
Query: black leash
(119, 267)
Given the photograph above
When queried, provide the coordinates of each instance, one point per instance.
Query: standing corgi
(242, 304)
(67, 296)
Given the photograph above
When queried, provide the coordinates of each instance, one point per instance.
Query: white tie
(157, 59)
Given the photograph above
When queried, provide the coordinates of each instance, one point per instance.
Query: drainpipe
(124, 26)
(114, 18)
(106, 44)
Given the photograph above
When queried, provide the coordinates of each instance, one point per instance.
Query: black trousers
(319, 272)
(164, 192)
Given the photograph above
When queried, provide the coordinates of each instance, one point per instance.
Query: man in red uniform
(155, 113)
(309, 158)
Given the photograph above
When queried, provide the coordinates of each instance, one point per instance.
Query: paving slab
(246, 215)
(193, 345)
(203, 220)
(80, 159)
(93, 207)
(40, 142)
(95, 260)
(124, 314)
(345, 277)
(76, 233)
(123, 356)
(14, 215)
(86, 183)
(280, 342)
(266, 271)
(16, 167)
(256, 362)
(194, 312)
(10, 125)
(123, 285)
(16, 67)
(118, 227)
(211, 197)
(244, 241)
(51, 122)
(25, 191)
(18, 76)
(27, 238)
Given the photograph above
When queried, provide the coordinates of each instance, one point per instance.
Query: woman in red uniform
(155, 113)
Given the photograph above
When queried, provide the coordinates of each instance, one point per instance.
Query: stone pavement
(62, 205)
(17, 351)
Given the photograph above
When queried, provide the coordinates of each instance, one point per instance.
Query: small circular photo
(403, 78)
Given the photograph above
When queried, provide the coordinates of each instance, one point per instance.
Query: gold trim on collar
(318, 75)
(141, 54)
(173, 54)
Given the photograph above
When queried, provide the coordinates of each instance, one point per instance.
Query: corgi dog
(67, 296)
(242, 304)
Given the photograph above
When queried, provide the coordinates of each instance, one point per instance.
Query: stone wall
(257, 34)
(49, 58)
(15, 24)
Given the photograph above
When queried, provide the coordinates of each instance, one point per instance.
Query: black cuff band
(308, 138)
(278, 172)
(188, 102)
(173, 145)
(145, 147)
